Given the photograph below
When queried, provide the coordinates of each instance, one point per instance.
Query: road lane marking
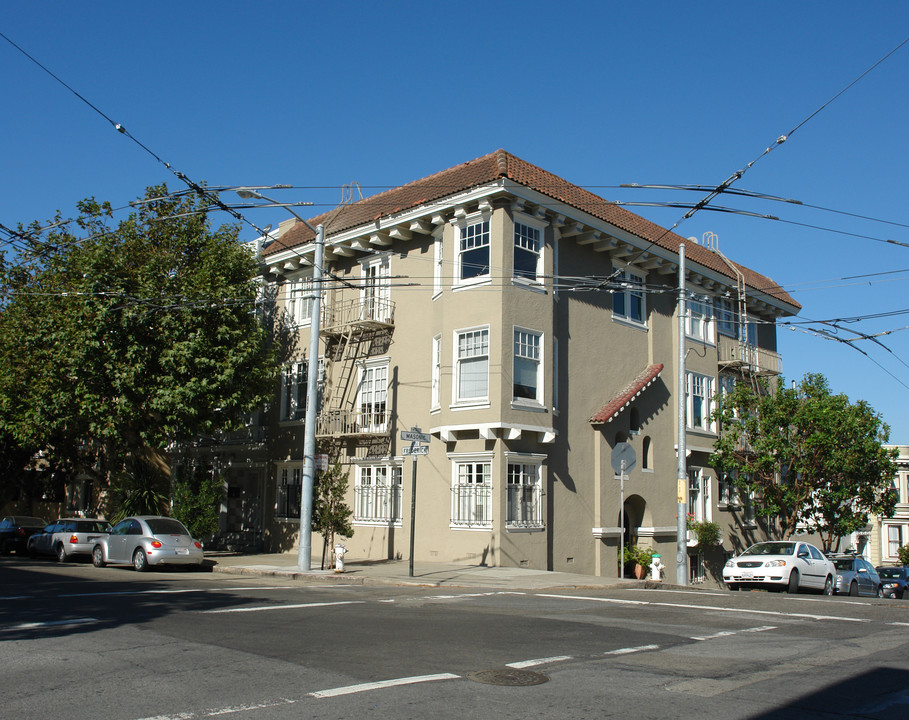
(686, 606)
(726, 633)
(50, 623)
(296, 606)
(363, 687)
(540, 661)
(223, 711)
(629, 650)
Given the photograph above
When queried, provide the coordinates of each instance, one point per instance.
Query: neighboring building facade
(887, 535)
(529, 326)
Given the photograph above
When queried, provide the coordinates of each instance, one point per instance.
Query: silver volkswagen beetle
(147, 540)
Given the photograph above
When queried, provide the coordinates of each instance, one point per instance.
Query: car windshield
(771, 548)
(888, 572)
(843, 563)
(166, 526)
(30, 522)
(98, 526)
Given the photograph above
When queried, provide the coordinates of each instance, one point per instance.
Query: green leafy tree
(813, 457)
(903, 554)
(330, 514)
(198, 493)
(119, 338)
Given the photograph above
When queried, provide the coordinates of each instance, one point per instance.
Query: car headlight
(730, 563)
(889, 585)
(775, 563)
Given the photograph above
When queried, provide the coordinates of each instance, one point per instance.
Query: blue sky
(322, 95)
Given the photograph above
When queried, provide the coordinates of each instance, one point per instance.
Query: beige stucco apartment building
(527, 325)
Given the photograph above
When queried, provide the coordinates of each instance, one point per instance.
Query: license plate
(182, 551)
(747, 574)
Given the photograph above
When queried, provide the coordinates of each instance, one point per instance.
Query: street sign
(415, 450)
(623, 452)
(414, 435)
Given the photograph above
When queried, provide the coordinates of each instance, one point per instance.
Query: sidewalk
(425, 574)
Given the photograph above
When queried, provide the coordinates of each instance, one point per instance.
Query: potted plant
(637, 560)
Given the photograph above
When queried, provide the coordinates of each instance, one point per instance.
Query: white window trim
(391, 465)
(456, 401)
(459, 226)
(707, 325)
(707, 409)
(539, 226)
(373, 364)
(300, 293)
(458, 459)
(375, 301)
(538, 401)
(291, 369)
(536, 460)
(638, 276)
(435, 392)
(438, 263)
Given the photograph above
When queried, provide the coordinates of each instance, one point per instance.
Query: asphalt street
(83, 642)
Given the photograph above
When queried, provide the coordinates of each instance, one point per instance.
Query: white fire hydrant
(340, 552)
(656, 568)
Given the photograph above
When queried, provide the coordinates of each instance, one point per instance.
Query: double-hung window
(894, 540)
(287, 494)
(699, 321)
(527, 385)
(628, 301)
(699, 495)
(700, 401)
(473, 250)
(300, 301)
(528, 244)
(293, 395)
(375, 294)
(372, 395)
(472, 365)
(524, 504)
(726, 322)
(471, 494)
(294, 388)
(377, 494)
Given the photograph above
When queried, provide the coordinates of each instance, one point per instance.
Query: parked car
(895, 581)
(145, 541)
(68, 537)
(856, 576)
(793, 565)
(15, 530)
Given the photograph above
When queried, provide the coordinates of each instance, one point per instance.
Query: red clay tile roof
(501, 164)
(611, 410)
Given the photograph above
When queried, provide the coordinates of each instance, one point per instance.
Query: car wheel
(6, 548)
(880, 591)
(140, 561)
(853, 589)
(905, 595)
(32, 553)
(732, 586)
(97, 556)
(61, 553)
(793, 582)
(828, 586)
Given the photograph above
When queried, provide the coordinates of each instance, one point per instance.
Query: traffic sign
(414, 435)
(623, 454)
(415, 450)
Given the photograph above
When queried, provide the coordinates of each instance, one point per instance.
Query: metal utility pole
(304, 550)
(681, 559)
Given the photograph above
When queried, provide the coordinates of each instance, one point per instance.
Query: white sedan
(144, 541)
(777, 565)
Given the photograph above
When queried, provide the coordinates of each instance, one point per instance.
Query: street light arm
(246, 193)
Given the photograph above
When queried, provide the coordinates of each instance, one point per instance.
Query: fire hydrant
(656, 568)
(340, 551)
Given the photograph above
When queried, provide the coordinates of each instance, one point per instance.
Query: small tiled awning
(611, 410)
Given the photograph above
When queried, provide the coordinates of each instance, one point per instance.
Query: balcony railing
(748, 358)
(369, 312)
(249, 435)
(341, 423)
(524, 506)
(471, 505)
